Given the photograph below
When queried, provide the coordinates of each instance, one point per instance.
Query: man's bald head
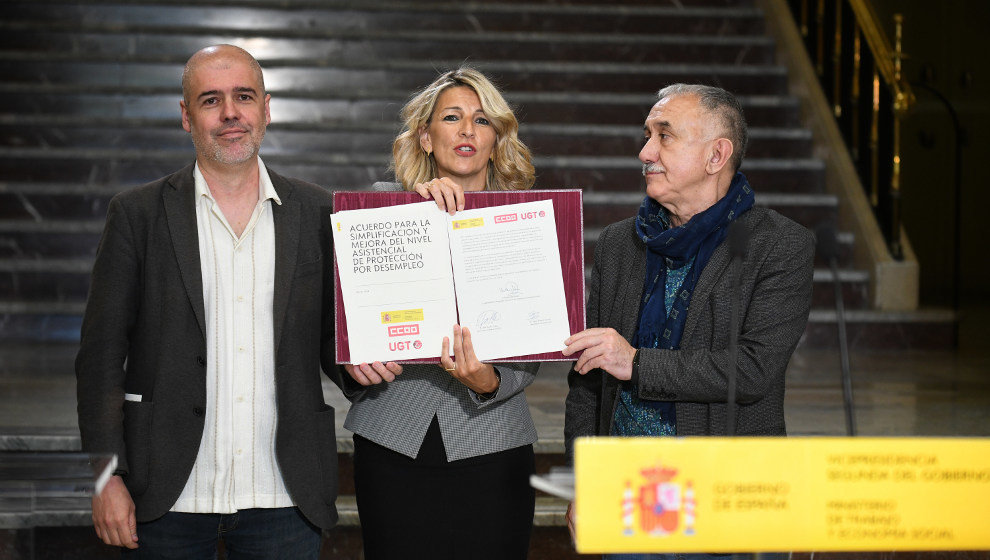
(223, 56)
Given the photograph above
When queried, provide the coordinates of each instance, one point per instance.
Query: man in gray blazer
(655, 359)
(208, 320)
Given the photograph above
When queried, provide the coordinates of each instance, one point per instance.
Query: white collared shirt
(236, 466)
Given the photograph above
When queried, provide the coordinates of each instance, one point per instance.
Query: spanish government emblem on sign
(663, 504)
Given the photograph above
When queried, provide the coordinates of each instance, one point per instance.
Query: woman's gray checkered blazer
(396, 415)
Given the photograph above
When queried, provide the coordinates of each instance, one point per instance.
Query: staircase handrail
(874, 118)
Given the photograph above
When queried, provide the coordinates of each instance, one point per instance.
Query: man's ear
(185, 116)
(719, 156)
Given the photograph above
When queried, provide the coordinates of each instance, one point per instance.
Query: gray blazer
(775, 290)
(396, 415)
(144, 333)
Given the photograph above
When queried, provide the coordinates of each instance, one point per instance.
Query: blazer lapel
(287, 224)
(717, 266)
(632, 287)
(180, 212)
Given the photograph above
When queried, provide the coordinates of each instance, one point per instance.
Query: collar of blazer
(717, 266)
(632, 285)
(180, 212)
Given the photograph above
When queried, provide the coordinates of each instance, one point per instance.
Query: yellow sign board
(781, 494)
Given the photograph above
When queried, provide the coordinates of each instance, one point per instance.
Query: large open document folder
(510, 267)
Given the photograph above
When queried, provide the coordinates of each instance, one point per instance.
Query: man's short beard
(227, 158)
(217, 153)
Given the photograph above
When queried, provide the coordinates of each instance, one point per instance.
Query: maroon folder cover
(568, 210)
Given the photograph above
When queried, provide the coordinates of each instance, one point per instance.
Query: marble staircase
(89, 107)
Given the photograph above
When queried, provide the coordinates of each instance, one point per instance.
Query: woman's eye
(450, 118)
(482, 120)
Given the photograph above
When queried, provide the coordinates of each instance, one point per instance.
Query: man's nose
(229, 110)
(648, 154)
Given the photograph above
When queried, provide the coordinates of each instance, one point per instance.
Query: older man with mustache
(655, 360)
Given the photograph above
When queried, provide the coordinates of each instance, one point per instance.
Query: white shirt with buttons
(236, 466)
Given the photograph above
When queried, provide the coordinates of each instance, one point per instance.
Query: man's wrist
(634, 374)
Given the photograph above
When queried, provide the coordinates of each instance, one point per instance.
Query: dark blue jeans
(248, 534)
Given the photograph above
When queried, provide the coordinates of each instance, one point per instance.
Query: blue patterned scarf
(673, 247)
(669, 250)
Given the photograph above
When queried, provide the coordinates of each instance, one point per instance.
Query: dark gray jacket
(776, 284)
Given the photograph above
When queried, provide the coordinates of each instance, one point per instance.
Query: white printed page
(510, 289)
(394, 269)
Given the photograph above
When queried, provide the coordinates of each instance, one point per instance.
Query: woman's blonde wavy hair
(511, 167)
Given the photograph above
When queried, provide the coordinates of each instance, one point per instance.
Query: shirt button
(240, 298)
(240, 399)
(240, 451)
(240, 348)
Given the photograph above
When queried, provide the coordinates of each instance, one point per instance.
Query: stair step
(54, 236)
(24, 281)
(48, 244)
(604, 207)
(621, 140)
(328, 19)
(844, 257)
(923, 329)
(91, 89)
(43, 206)
(303, 43)
(542, 138)
(129, 167)
(410, 75)
(70, 105)
(606, 173)
(866, 329)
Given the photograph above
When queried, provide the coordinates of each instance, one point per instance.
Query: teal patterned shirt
(634, 416)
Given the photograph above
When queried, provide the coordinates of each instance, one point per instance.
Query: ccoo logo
(403, 330)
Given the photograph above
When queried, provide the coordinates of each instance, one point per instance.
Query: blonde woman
(443, 452)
